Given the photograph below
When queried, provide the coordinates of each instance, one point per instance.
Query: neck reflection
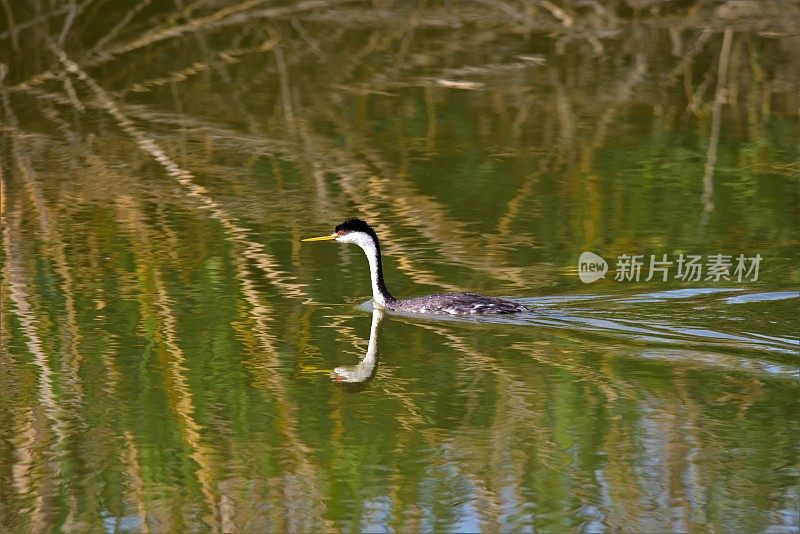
(365, 370)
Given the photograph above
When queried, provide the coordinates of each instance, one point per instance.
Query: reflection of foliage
(154, 160)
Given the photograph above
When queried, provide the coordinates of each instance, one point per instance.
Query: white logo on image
(591, 267)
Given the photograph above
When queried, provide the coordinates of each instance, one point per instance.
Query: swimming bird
(359, 232)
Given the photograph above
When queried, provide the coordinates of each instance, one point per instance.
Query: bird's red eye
(340, 232)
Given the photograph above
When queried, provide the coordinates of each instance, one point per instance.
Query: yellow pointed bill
(321, 238)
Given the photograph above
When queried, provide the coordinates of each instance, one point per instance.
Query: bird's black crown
(354, 225)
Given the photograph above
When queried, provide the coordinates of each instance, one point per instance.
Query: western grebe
(359, 232)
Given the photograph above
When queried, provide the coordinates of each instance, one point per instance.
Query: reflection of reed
(166, 326)
(252, 249)
(16, 279)
(456, 243)
(47, 398)
(231, 55)
(54, 248)
(24, 471)
(184, 405)
(520, 408)
(261, 316)
(514, 415)
(415, 423)
(611, 388)
(394, 247)
(226, 16)
(136, 483)
(517, 411)
(104, 41)
(706, 199)
(513, 391)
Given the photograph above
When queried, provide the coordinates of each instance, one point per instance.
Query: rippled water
(174, 359)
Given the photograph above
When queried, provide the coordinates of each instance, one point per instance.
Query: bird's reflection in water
(365, 370)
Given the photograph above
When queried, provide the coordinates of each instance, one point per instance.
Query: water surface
(168, 346)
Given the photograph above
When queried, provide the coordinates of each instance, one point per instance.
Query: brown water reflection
(167, 344)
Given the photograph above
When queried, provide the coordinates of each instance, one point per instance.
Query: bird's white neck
(380, 294)
(368, 246)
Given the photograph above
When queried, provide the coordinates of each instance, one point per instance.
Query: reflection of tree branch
(557, 12)
(72, 12)
(108, 37)
(687, 58)
(286, 93)
(227, 16)
(622, 96)
(13, 29)
(566, 120)
(716, 113)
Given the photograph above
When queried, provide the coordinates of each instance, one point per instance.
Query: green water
(168, 346)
